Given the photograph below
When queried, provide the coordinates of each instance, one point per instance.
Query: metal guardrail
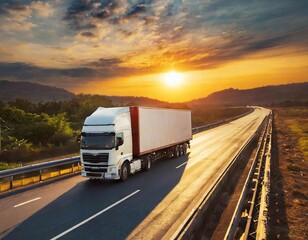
(12, 173)
(38, 167)
(258, 179)
(264, 199)
(231, 232)
(17, 177)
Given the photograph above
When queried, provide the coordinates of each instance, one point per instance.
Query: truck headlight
(112, 169)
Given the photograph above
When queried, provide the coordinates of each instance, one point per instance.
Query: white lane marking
(182, 164)
(32, 200)
(93, 216)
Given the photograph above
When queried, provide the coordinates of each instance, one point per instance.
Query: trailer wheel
(176, 151)
(185, 148)
(181, 150)
(124, 171)
(148, 163)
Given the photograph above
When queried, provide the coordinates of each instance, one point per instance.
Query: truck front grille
(95, 170)
(96, 158)
(95, 164)
(94, 174)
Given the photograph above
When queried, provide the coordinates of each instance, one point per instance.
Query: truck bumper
(107, 175)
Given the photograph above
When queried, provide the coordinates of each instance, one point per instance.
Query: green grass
(36, 154)
(5, 166)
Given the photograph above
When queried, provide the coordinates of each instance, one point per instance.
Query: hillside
(136, 101)
(257, 96)
(33, 92)
(144, 101)
(267, 95)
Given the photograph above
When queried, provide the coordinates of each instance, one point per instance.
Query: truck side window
(120, 138)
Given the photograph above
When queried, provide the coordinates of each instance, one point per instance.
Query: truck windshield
(98, 140)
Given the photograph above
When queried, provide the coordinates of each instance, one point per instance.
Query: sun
(173, 78)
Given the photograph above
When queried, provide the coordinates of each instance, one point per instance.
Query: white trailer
(116, 142)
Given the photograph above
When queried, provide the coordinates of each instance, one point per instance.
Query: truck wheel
(124, 171)
(148, 163)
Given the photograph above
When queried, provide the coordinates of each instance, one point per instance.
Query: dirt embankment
(289, 180)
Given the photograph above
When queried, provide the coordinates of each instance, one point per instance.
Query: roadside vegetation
(33, 133)
(289, 180)
(211, 114)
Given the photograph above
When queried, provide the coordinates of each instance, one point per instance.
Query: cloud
(103, 69)
(19, 17)
(24, 71)
(81, 13)
(215, 32)
(19, 26)
(16, 13)
(218, 52)
(199, 34)
(15, 8)
(41, 9)
(8, 8)
(106, 62)
(88, 35)
(136, 10)
(84, 13)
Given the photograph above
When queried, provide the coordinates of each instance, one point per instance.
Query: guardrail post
(40, 172)
(11, 182)
(72, 167)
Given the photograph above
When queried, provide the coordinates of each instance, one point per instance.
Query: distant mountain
(136, 101)
(297, 92)
(33, 92)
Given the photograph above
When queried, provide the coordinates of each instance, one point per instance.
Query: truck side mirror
(119, 141)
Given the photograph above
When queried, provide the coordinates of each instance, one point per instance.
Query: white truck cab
(106, 144)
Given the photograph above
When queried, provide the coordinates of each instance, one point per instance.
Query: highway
(148, 205)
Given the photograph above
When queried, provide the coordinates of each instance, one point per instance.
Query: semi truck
(119, 141)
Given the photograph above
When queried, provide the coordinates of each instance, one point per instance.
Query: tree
(23, 104)
(61, 127)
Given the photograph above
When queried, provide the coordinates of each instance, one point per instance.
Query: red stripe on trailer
(134, 116)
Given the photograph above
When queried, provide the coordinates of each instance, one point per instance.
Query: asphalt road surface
(148, 206)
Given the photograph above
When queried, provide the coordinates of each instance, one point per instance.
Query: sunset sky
(131, 48)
